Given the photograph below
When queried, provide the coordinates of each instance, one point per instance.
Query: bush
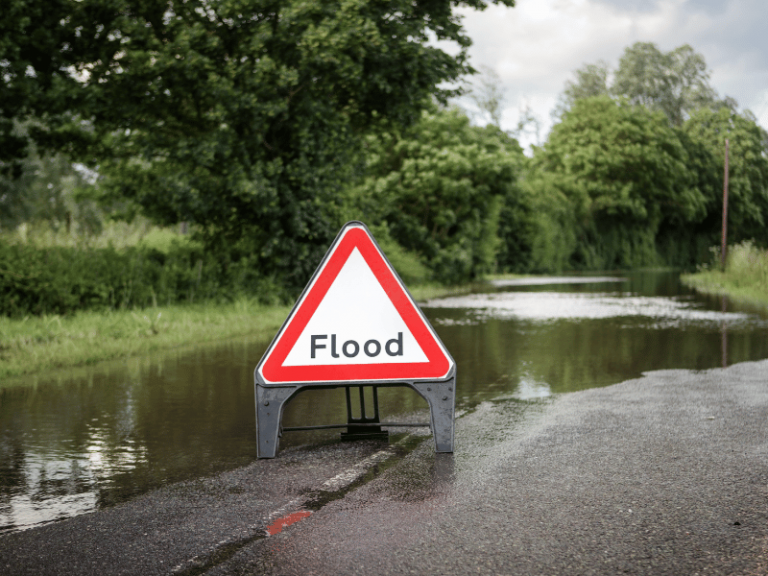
(61, 280)
(438, 191)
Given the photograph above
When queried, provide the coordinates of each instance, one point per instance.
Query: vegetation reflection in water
(88, 438)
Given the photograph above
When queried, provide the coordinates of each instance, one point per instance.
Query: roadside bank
(745, 277)
(716, 283)
(34, 344)
(41, 343)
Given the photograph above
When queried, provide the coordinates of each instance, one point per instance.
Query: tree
(538, 225)
(527, 122)
(488, 96)
(239, 115)
(46, 191)
(625, 172)
(591, 80)
(439, 187)
(748, 173)
(675, 82)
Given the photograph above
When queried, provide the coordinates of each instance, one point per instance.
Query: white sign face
(356, 323)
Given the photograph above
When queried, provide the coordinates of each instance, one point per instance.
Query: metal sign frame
(272, 397)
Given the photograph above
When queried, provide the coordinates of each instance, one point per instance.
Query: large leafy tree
(707, 131)
(440, 188)
(624, 169)
(675, 82)
(590, 80)
(239, 115)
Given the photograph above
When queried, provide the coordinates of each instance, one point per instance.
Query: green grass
(42, 343)
(745, 277)
(36, 344)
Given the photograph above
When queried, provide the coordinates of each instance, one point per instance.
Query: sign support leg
(269, 414)
(441, 397)
(367, 432)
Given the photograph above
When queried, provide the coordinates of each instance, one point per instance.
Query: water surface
(78, 440)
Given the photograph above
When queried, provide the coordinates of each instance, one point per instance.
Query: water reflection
(534, 340)
(546, 306)
(70, 444)
(82, 439)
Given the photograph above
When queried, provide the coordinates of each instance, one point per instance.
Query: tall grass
(34, 344)
(745, 276)
(39, 343)
(44, 271)
(111, 234)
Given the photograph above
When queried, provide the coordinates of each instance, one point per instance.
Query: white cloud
(535, 46)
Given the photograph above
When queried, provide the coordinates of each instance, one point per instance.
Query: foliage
(488, 95)
(61, 280)
(745, 276)
(47, 190)
(591, 80)
(625, 172)
(747, 176)
(675, 82)
(538, 226)
(407, 263)
(116, 234)
(747, 264)
(238, 115)
(703, 135)
(439, 188)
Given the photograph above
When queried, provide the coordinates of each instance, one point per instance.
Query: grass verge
(745, 277)
(40, 343)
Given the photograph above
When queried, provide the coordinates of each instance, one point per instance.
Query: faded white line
(348, 476)
(338, 482)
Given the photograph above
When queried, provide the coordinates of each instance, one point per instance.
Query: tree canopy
(625, 171)
(439, 188)
(239, 115)
(675, 82)
(748, 171)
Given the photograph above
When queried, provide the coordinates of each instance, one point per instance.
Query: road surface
(665, 474)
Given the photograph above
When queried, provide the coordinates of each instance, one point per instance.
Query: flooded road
(85, 439)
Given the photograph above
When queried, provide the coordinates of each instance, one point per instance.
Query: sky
(535, 46)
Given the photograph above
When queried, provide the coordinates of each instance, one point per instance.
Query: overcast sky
(535, 46)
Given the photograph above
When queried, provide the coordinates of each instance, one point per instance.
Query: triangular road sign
(354, 322)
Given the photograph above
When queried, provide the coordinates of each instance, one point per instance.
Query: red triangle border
(437, 367)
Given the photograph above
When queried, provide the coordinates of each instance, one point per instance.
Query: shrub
(60, 280)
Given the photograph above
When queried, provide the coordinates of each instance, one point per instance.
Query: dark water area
(78, 440)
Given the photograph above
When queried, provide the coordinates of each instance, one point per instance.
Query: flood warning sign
(355, 321)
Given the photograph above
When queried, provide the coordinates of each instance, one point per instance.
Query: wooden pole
(725, 210)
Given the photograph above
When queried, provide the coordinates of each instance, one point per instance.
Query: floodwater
(78, 440)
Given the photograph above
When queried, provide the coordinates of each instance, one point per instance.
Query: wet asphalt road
(667, 474)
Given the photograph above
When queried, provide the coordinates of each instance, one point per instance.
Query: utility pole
(725, 210)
